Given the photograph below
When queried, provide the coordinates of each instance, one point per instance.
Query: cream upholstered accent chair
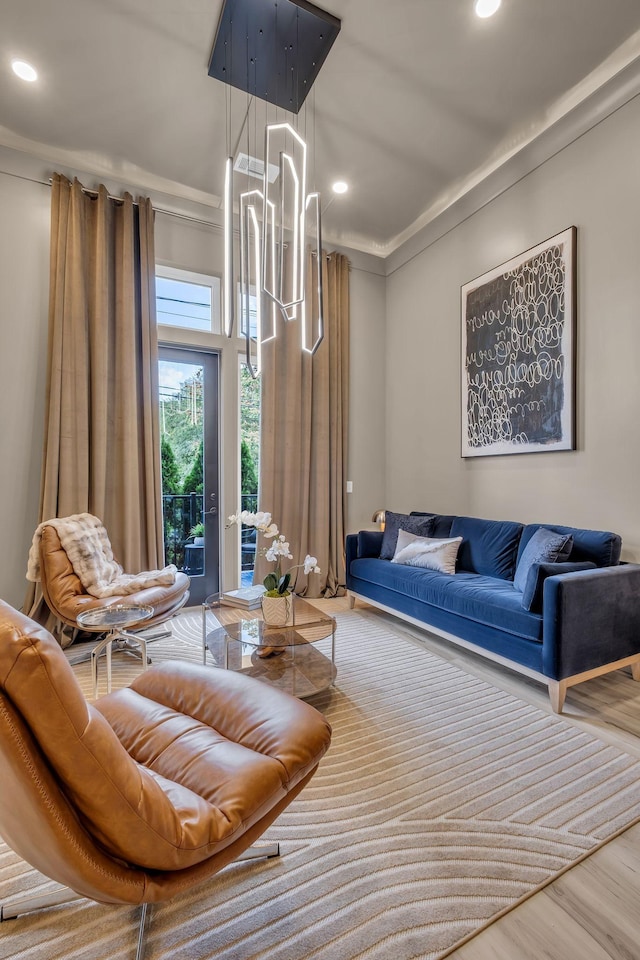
(149, 791)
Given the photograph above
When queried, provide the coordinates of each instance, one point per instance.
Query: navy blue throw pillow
(545, 546)
(532, 595)
(393, 522)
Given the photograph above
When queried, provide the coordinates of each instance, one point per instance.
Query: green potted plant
(197, 532)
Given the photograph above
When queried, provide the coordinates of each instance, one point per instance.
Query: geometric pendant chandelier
(273, 51)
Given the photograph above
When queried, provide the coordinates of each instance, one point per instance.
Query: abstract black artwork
(518, 344)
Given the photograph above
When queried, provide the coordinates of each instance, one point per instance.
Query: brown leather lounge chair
(151, 790)
(66, 597)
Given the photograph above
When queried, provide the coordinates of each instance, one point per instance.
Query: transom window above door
(190, 301)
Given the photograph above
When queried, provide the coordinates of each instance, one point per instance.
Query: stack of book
(246, 597)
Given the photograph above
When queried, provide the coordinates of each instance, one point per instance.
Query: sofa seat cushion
(489, 547)
(488, 600)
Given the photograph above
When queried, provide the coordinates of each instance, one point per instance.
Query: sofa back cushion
(369, 543)
(489, 547)
(598, 546)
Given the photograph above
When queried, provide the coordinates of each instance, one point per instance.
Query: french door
(189, 413)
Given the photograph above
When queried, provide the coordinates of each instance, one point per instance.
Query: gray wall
(24, 287)
(595, 184)
(367, 398)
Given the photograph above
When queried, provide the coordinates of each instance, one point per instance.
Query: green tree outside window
(248, 474)
(194, 481)
(170, 471)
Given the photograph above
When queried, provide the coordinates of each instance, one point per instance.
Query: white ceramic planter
(277, 611)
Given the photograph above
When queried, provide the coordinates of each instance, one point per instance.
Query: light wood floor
(592, 912)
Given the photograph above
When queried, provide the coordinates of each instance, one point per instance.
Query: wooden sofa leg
(352, 601)
(557, 693)
(635, 670)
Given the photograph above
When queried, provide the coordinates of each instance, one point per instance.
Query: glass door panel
(189, 449)
(249, 467)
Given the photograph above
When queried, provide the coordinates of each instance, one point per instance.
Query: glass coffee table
(299, 658)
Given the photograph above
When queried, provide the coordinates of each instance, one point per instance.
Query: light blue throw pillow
(545, 546)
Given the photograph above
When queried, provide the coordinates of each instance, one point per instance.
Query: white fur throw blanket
(85, 541)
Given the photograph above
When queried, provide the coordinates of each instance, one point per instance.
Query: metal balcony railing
(180, 513)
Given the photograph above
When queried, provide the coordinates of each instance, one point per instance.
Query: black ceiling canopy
(272, 50)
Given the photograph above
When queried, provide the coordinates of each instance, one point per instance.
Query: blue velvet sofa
(584, 618)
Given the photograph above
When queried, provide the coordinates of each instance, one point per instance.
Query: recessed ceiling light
(24, 70)
(340, 186)
(486, 8)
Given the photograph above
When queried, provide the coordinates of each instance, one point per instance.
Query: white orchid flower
(279, 547)
(262, 521)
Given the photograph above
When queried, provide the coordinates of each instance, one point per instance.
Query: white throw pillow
(427, 552)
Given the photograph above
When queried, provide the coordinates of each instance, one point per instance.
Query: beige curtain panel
(303, 446)
(102, 446)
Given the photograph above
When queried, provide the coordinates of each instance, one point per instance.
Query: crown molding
(40, 159)
(36, 162)
(613, 84)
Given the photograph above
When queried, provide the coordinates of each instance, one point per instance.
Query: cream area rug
(441, 804)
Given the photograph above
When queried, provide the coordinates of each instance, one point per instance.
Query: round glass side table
(115, 621)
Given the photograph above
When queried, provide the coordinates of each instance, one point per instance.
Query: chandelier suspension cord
(228, 85)
(276, 61)
(297, 59)
(248, 97)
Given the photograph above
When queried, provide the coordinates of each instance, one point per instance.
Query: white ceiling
(417, 100)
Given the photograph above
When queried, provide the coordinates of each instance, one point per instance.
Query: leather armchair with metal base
(66, 597)
(151, 790)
